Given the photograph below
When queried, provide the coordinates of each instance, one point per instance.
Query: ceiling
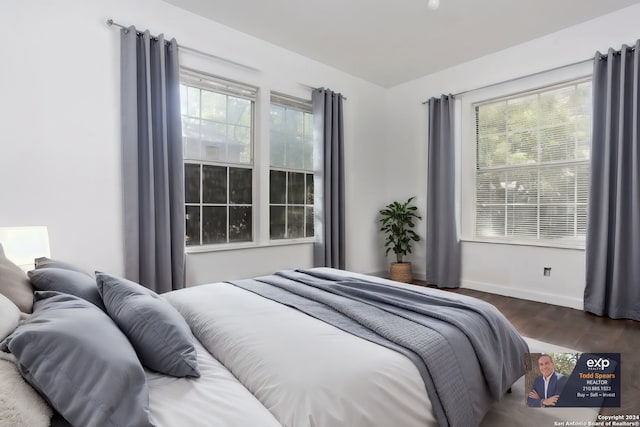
(388, 42)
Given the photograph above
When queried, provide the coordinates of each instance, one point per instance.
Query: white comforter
(214, 399)
(304, 371)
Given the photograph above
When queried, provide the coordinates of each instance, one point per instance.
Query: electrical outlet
(547, 271)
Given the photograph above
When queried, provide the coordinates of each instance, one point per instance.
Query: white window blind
(532, 165)
(217, 118)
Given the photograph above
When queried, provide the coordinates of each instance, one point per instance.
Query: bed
(317, 347)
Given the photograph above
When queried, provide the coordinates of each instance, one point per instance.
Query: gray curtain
(442, 242)
(152, 161)
(613, 243)
(329, 249)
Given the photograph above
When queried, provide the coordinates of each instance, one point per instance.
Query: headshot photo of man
(547, 386)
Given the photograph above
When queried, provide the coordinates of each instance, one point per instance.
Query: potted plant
(398, 221)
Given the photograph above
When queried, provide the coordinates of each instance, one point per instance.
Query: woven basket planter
(401, 272)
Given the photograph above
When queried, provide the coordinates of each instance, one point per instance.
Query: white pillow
(9, 316)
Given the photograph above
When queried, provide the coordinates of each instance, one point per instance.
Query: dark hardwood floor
(580, 331)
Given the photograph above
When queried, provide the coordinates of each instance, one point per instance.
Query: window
(217, 133)
(532, 165)
(291, 172)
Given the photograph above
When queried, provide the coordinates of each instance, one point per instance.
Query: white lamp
(23, 244)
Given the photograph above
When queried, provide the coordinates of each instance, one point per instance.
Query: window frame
(467, 148)
(289, 102)
(228, 87)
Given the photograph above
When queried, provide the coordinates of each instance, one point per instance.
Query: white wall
(60, 162)
(60, 147)
(506, 269)
(59, 157)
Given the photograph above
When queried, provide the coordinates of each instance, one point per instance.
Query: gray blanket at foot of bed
(466, 351)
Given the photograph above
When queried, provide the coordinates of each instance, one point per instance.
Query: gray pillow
(15, 285)
(68, 282)
(45, 262)
(159, 334)
(75, 355)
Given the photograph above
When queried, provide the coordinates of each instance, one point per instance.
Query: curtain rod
(112, 23)
(519, 78)
(344, 98)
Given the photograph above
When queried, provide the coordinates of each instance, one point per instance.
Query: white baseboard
(507, 291)
(527, 294)
(420, 276)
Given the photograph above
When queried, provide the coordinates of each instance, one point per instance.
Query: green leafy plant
(398, 220)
